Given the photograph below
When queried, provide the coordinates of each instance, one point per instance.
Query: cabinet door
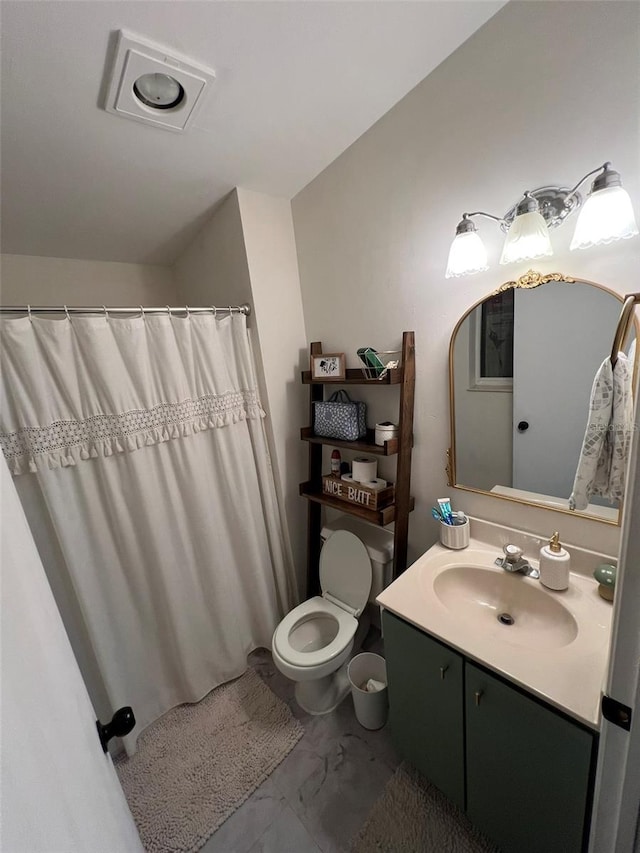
(426, 704)
(528, 769)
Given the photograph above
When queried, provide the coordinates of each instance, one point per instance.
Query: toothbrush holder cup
(455, 536)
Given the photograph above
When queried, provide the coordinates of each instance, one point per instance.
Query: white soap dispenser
(554, 564)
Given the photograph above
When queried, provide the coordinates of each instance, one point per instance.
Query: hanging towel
(607, 439)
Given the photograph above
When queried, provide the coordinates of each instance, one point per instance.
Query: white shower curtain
(148, 486)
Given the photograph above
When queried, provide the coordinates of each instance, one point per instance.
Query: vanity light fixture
(606, 215)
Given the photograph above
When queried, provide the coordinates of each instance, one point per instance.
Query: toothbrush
(436, 514)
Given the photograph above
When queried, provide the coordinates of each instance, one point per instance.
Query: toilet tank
(379, 544)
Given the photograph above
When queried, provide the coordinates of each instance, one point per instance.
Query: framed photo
(328, 365)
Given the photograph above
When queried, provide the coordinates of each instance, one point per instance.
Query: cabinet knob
(443, 669)
(478, 696)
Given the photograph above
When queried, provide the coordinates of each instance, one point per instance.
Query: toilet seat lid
(345, 569)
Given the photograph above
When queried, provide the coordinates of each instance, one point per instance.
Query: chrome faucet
(513, 561)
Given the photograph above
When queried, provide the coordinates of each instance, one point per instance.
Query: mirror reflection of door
(562, 333)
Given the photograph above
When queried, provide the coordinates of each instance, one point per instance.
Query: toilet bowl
(313, 644)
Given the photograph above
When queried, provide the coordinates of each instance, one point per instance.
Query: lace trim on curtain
(64, 443)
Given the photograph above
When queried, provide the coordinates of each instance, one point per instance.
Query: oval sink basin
(509, 603)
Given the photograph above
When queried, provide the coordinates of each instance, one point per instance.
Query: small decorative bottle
(554, 564)
(335, 463)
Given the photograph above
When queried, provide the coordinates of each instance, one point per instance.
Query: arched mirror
(521, 366)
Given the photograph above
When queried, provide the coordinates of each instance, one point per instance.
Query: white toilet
(313, 644)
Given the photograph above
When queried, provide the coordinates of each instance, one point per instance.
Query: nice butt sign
(347, 492)
(356, 493)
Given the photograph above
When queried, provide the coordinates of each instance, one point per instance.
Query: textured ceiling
(297, 83)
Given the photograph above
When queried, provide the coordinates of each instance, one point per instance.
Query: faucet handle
(512, 553)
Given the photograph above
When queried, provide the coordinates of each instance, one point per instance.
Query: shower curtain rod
(119, 309)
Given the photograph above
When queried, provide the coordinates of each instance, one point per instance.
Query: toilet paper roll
(376, 484)
(385, 431)
(364, 469)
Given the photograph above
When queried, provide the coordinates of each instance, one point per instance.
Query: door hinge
(617, 713)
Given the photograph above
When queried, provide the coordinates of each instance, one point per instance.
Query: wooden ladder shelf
(401, 447)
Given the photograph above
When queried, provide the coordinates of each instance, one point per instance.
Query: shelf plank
(367, 445)
(354, 376)
(380, 517)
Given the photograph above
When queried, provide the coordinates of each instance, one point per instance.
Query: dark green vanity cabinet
(528, 768)
(521, 770)
(425, 704)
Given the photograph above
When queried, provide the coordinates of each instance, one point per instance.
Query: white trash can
(370, 706)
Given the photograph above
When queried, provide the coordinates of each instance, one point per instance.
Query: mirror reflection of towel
(605, 448)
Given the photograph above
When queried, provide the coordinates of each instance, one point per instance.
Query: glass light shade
(159, 91)
(527, 238)
(607, 215)
(466, 255)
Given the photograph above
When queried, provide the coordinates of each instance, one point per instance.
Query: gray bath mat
(411, 816)
(198, 763)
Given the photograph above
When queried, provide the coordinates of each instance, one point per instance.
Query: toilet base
(323, 695)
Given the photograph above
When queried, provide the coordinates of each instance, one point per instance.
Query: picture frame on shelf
(328, 366)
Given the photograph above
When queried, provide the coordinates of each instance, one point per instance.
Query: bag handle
(340, 397)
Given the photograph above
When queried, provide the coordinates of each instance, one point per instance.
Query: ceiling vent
(152, 85)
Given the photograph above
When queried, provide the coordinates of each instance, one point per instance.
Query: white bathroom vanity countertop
(569, 675)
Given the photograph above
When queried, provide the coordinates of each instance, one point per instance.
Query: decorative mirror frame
(527, 281)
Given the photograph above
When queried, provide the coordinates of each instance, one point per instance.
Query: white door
(60, 793)
(562, 333)
(617, 796)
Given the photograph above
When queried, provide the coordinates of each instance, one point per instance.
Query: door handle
(121, 724)
(523, 426)
(478, 696)
(443, 669)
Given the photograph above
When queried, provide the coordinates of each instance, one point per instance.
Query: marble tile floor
(317, 799)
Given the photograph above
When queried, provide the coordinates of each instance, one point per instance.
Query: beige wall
(246, 253)
(543, 93)
(282, 343)
(213, 270)
(57, 281)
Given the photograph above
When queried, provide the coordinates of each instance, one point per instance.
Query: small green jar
(605, 574)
